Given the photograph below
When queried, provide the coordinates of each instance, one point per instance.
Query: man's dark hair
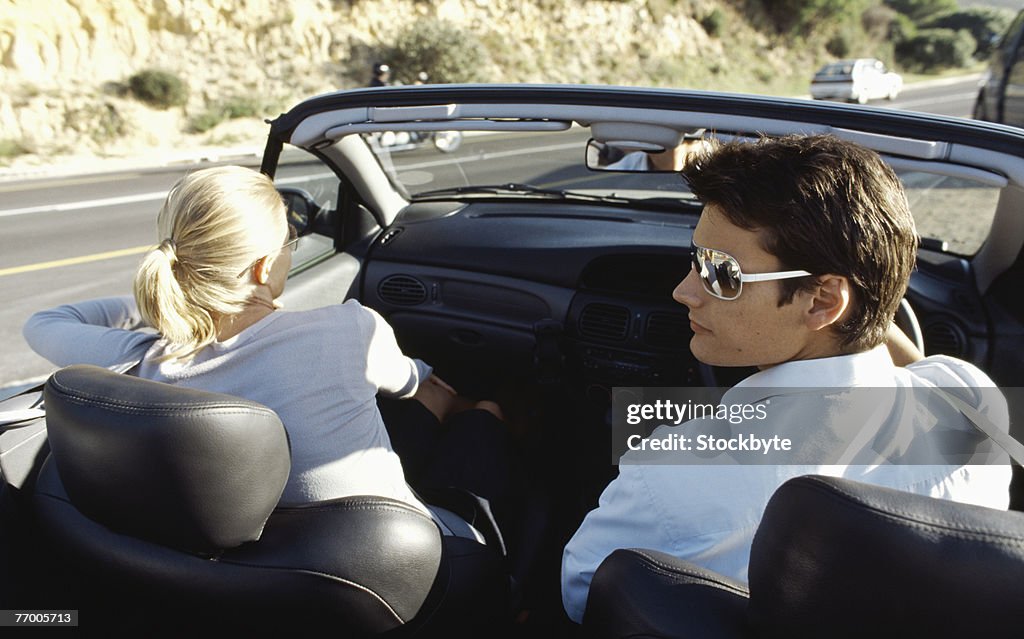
(825, 206)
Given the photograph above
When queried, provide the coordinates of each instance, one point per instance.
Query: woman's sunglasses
(292, 242)
(721, 275)
(293, 238)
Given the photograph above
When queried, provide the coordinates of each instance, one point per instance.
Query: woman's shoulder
(347, 309)
(347, 318)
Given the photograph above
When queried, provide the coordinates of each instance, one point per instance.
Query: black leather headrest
(185, 468)
(648, 593)
(834, 557)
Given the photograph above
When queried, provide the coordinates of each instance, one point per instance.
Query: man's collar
(859, 369)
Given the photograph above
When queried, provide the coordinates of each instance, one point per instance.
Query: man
(381, 75)
(801, 256)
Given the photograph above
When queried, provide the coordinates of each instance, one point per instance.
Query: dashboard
(532, 289)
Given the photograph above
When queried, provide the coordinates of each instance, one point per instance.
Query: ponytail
(164, 305)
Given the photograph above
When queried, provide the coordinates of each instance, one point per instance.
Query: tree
(439, 48)
(802, 16)
(983, 23)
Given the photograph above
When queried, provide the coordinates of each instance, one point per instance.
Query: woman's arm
(387, 367)
(100, 332)
(902, 349)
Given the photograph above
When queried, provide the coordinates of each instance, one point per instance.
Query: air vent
(402, 289)
(604, 321)
(945, 338)
(667, 330)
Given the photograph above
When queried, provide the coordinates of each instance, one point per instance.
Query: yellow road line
(96, 257)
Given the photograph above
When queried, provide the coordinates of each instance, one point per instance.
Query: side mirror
(303, 212)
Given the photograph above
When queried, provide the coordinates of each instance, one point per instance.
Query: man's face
(751, 330)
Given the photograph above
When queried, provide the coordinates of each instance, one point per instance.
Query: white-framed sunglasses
(721, 274)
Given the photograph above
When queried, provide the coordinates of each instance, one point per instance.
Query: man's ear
(829, 301)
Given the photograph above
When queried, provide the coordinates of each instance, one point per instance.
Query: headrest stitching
(675, 570)
(181, 408)
(349, 506)
(83, 398)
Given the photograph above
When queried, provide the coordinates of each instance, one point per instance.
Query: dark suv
(1001, 98)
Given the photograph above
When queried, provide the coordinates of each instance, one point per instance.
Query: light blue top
(319, 370)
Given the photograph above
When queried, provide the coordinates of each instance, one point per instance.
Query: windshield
(425, 164)
(553, 165)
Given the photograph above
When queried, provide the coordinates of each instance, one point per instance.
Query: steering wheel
(722, 376)
(907, 322)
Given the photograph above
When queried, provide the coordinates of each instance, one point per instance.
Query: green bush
(159, 88)
(236, 107)
(11, 148)
(803, 16)
(839, 45)
(441, 49)
(933, 49)
(920, 10)
(103, 122)
(984, 24)
(902, 28)
(207, 120)
(713, 22)
(244, 107)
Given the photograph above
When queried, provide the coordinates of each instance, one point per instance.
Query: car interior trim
(947, 169)
(448, 125)
(916, 148)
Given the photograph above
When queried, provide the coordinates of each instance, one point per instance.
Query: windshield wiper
(515, 188)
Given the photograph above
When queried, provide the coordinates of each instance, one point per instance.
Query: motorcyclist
(381, 75)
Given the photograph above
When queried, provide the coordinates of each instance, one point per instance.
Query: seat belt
(984, 425)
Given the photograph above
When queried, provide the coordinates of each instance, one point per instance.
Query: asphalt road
(72, 238)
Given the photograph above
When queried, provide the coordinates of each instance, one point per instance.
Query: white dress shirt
(707, 514)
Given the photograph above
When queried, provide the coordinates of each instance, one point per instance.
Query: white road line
(85, 204)
(125, 199)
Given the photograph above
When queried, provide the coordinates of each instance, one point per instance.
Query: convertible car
(529, 265)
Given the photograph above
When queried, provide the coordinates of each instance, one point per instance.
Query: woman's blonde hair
(214, 224)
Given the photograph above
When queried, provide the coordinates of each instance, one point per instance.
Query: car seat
(831, 558)
(167, 498)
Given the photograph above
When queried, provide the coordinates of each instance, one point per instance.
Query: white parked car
(856, 80)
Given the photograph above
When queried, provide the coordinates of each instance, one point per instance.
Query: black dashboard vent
(404, 290)
(945, 338)
(604, 321)
(667, 330)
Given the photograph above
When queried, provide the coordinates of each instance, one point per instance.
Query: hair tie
(170, 249)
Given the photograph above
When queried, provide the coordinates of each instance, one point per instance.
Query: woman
(210, 290)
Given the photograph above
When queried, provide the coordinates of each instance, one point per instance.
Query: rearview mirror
(641, 157)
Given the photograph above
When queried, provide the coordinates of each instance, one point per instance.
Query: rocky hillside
(65, 63)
